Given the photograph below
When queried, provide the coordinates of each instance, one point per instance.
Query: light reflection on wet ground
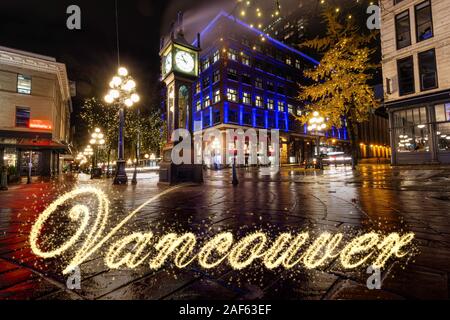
(336, 200)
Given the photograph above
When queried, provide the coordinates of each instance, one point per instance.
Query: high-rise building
(415, 40)
(250, 80)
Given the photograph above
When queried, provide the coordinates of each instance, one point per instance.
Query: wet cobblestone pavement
(374, 197)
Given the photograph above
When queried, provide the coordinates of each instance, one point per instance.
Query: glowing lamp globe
(109, 99)
(135, 97)
(128, 102)
(122, 72)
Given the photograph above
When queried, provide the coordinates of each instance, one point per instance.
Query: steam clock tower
(180, 69)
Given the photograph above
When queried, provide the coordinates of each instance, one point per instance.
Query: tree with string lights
(95, 114)
(340, 91)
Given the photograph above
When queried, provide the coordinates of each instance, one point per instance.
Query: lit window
(217, 96)
(197, 87)
(205, 64)
(297, 64)
(258, 101)
(232, 95)
(23, 84)
(280, 106)
(245, 60)
(246, 99)
(198, 105)
(288, 61)
(207, 102)
(290, 108)
(270, 104)
(232, 54)
(216, 56)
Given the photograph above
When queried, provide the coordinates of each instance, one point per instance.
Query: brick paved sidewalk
(338, 199)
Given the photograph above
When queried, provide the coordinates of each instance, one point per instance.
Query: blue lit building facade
(249, 80)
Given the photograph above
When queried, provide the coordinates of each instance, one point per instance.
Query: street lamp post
(97, 139)
(235, 180)
(89, 152)
(30, 166)
(123, 92)
(138, 150)
(316, 125)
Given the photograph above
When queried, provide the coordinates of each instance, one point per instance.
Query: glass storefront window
(10, 157)
(443, 136)
(411, 130)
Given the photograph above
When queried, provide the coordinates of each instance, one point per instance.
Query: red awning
(37, 144)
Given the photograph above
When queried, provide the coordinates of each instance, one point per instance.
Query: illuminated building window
(246, 99)
(299, 112)
(245, 60)
(207, 102)
(217, 96)
(198, 105)
(206, 64)
(23, 84)
(259, 101)
(290, 108)
(298, 64)
(22, 117)
(232, 54)
(280, 106)
(232, 95)
(197, 87)
(270, 104)
(288, 60)
(216, 56)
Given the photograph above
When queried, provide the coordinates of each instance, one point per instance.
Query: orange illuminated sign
(40, 124)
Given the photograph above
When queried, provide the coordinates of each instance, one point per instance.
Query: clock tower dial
(168, 63)
(184, 61)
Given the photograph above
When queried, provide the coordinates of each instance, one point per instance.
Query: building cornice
(20, 59)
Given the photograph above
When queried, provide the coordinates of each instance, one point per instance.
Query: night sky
(90, 54)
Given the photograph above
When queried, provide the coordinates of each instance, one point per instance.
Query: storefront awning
(34, 144)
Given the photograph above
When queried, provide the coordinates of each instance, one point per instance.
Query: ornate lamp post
(316, 125)
(123, 92)
(97, 139)
(89, 152)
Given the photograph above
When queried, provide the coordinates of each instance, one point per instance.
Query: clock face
(168, 63)
(184, 61)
